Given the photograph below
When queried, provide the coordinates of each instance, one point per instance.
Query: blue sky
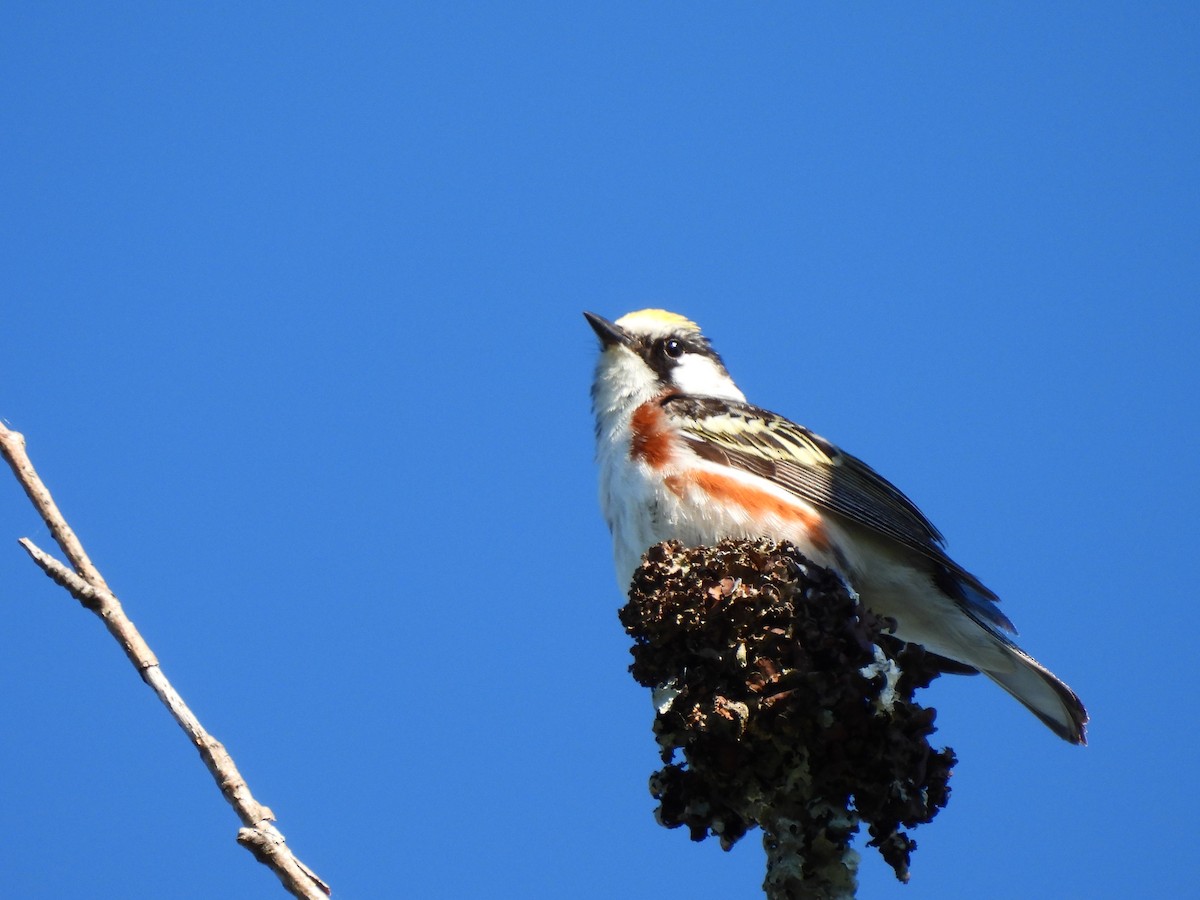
(292, 324)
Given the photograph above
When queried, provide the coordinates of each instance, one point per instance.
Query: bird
(683, 456)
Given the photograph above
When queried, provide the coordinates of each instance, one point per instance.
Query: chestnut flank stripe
(758, 503)
(651, 435)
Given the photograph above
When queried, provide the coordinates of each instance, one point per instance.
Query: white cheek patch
(696, 374)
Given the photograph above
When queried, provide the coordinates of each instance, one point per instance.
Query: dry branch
(84, 582)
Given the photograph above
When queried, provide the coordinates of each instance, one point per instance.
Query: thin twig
(86, 585)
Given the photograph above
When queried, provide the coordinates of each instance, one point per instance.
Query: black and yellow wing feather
(758, 441)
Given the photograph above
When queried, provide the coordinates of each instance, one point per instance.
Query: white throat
(623, 382)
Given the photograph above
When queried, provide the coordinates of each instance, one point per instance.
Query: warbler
(683, 456)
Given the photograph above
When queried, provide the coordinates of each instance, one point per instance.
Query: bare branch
(100, 600)
(87, 586)
(12, 445)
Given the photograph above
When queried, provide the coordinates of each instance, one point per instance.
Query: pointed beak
(610, 335)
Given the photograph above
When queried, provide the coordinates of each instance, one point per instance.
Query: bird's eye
(673, 348)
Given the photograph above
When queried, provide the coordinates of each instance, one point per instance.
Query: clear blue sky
(291, 319)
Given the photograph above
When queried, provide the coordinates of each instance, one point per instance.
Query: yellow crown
(656, 320)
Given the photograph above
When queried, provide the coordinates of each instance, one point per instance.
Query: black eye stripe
(664, 353)
(675, 347)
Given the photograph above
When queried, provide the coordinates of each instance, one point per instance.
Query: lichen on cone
(790, 703)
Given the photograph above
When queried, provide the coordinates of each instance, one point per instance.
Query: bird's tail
(1042, 693)
(961, 621)
(969, 628)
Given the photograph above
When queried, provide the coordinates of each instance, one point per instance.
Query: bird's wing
(755, 440)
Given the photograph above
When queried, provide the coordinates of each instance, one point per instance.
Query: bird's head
(646, 353)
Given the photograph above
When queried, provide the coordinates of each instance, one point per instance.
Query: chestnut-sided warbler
(684, 457)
